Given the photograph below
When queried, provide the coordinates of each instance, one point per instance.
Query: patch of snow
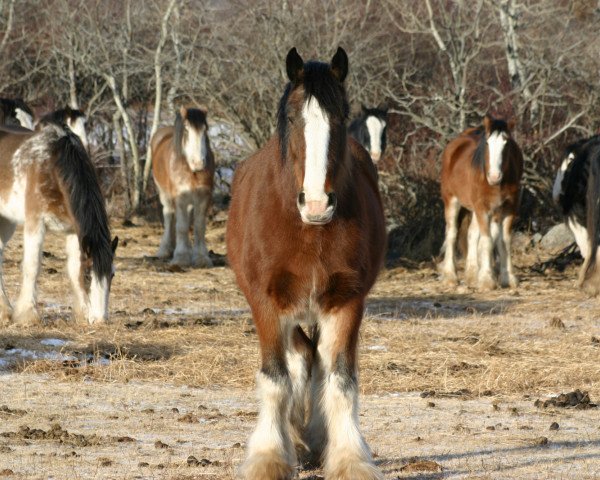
(377, 348)
(54, 342)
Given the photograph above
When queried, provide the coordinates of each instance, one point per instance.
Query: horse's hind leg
(33, 237)
(7, 228)
(270, 452)
(448, 268)
(485, 278)
(507, 275)
(347, 456)
(167, 242)
(200, 257)
(183, 250)
(471, 264)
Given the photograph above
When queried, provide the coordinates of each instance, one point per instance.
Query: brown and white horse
(481, 171)
(49, 182)
(183, 167)
(306, 239)
(72, 118)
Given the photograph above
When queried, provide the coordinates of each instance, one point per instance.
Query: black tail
(81, 188)
(593, 209)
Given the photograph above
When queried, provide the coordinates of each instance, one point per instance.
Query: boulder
(557, 238)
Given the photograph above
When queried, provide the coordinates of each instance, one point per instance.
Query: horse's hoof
(509, 281)
(5, 317)
(181, 260)
(202, 261)
(26, 317)
(352, 470)
(486, 284)
(164, 253)
(266, 466)
(449, 280)
(471, 276)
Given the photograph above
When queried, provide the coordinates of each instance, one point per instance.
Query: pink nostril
(316, 208)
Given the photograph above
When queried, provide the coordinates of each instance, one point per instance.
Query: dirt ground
(453, 382)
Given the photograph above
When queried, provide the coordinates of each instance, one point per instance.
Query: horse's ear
(339, 64)
(511, 124)
(114, 244)
(294, 65)
(487, 123)
(182, 111)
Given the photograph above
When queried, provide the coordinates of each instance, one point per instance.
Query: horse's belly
(12, 202)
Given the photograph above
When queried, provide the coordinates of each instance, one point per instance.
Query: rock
(557, 238)
(554, 426)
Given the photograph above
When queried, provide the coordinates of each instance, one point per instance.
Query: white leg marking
(74, 270)
(99, 292)
(581, 236)
(298, 370)
(507, 275)
(471, 264)
(200, 255)
(167, 242)
(270, 453)
(485, 278)
(25, 309)
(448, 268)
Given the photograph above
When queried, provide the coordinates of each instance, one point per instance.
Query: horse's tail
(80, 187)
(591, 274)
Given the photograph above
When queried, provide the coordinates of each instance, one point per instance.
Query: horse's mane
(318, 82)
(196, 117)
(59, 117)
(478, 160)
(575, 146)
(80, 186)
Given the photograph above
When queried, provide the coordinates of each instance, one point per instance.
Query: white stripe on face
(316, 137)
(375, 128)
(99, 291)
(195, 148)
(557, 188)
(24, 118)
(496, 143)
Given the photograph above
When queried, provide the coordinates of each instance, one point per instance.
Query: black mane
(478, 161)
(319, 82)
(59, 117)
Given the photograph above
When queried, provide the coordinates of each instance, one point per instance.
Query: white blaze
(99, 290)
(24, 118)
(78, 128)
(560, 175)
(496, 143)
(195, 148)
(316, 137)
(375, 128)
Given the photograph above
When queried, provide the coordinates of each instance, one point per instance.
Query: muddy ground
(454, 383)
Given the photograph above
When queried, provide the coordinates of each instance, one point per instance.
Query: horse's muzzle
(494, 180)
(375, 156)
(317, 212)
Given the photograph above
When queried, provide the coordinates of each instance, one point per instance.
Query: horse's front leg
(270, 453)
(167, 242)
(7, 228)
(472, 263)
(485, 278)
(183, 251)
(33, 237)
(507, 275)
(448, 267)
(81, 306)
(347, 456)
(200, 257)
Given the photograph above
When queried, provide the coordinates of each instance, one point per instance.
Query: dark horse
(306, 239)
(577, 192)
(49, 182)
(481, 171)
(369, 128)
(15, 112)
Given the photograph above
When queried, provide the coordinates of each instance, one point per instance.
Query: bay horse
(306, 239)
(481, 171)
(183, 167)
(369, 128)
(49, 182)
(577, 190)
(15, 112)
(72, 118)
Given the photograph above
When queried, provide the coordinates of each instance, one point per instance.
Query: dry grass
(194, 328)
